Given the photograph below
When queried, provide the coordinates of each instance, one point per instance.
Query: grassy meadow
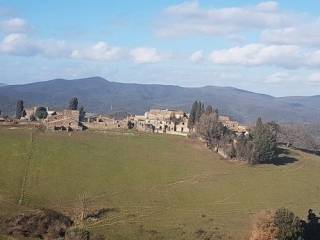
(159, 186)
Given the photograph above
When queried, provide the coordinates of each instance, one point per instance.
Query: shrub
(281, 224)
(264, 227)
(41, 113)
(289, 225)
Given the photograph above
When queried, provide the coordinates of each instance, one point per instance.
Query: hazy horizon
(161, 84)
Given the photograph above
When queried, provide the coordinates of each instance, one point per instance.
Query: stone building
(233, 125)
(66, 120)
(163, 121)
(30, 112)
(93, 121)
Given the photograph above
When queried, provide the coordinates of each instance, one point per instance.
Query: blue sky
(270, 47)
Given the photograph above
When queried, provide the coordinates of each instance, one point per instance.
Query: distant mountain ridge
(2, 84)
(101, 96)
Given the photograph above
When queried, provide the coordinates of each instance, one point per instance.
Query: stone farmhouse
(163, 121)
(65, 120)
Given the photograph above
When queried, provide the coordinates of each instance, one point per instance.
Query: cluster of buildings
(69, 120)
(155, 121)
(163, 121)
(176, 122)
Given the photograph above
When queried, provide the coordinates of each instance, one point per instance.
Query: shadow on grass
(283, 158)
(308, 151)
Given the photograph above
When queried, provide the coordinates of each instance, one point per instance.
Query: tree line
(258, 146)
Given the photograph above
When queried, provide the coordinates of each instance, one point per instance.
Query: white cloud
(189, 18)
(101, 51)
(279, 78)
(303, 34)
(287, 56)
(314, 78)
(19, 44)
(197, 56)
(191, 7)
(314, 58)
(14, 25)
(147, 55)
(268, 6)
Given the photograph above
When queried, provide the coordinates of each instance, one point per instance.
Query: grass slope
(164, 187)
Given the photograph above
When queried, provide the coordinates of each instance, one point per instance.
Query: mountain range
(101, 96)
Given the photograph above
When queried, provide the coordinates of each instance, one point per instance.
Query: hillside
(102, 96)
(152, 189)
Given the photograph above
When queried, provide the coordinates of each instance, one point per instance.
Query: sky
(270, 47)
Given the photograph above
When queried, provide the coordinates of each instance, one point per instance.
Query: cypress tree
(209, 109)
(199, 111)
(73, 104)
(82, 114)
(20, 110)
(192, 117)
(265, 143)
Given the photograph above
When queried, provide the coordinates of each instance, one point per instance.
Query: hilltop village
(154, 121)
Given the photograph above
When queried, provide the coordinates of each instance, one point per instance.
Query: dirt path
(27, 170)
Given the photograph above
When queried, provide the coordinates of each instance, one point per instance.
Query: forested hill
(101, 96)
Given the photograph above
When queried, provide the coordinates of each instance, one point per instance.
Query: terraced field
(155, 186)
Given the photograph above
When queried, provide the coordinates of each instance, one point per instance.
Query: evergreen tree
(265, 143)
(209, 109)
(192, 117)
(130, 125)
(73, 104)
(82, 114)
(20, 110)
(199, 111)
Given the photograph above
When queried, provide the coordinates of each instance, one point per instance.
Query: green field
(162, 187)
